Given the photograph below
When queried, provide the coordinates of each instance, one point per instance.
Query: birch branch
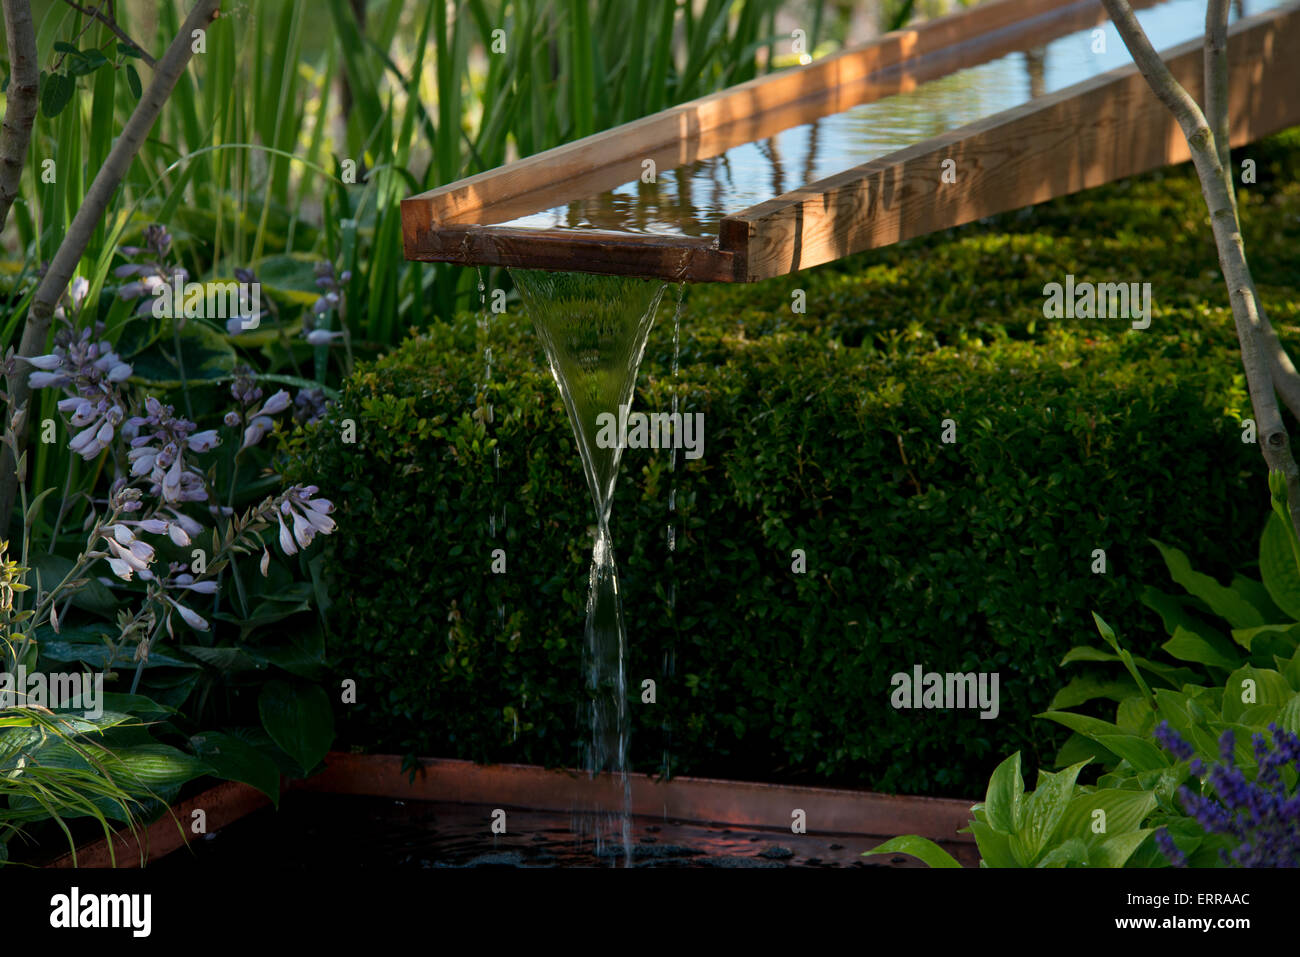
(63, 266)
(20, 106)
(1217, 188)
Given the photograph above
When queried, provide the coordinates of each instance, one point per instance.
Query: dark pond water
(331, 831)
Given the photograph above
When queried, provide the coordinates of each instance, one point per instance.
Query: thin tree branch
(37, 328)
(1216, 79)
(20, 108)
(1257, 358)
(1285, 377)
(118, 32)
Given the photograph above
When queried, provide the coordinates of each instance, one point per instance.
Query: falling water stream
(594, 330)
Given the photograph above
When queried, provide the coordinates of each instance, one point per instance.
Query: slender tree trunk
(20, 108)
(1207, 140)
(37, 328)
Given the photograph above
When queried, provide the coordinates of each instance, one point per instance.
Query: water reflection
(693, 197)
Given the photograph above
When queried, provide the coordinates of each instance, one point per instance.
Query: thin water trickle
(669, 654)
(484, 324)
(594, 331)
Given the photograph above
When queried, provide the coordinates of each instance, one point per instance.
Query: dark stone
(497, 859)
(737, 862)
(776, 852)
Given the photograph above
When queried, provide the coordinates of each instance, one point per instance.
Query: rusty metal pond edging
(696, 800)
(520, 786)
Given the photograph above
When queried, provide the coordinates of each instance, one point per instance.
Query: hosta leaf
(234, 760)
(1186, 646)
(1224, 602)
(298, 718)
(1116, 851)
(919, 847)
(1277, 566)
(1006, 788)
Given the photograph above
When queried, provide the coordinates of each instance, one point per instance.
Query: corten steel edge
(1106, 128)
(829, 811)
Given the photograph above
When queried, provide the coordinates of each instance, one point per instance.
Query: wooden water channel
(1105, 127)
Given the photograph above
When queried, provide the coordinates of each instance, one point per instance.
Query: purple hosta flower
(331, 299)
(122, 497)
(182, 524)
(1261, 816)
(243, 323)
(306, 516)
(260, 422)
(309, 406)
(245, 389)
(158, 451)
(321, 337)
(72, 299)
(89, 372)
(156, 240)
(180, 578)
(128, 556)
(174, 530)
(151, 273)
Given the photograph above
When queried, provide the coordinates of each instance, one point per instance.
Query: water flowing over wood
(584, 206)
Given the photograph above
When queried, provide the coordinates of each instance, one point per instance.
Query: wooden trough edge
(695, 800)
(679, 258)
(528, 787)
(461, 201)
(1097, 131)
(1092, 133)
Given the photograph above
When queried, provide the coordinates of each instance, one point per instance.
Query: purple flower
(158, 452)
(260, 422)
(1169, 849)
(1261, 816)
(89, 372)
(309, 406)
(307, 516)
(1170, 740)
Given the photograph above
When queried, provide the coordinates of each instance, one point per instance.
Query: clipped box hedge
(823, 433)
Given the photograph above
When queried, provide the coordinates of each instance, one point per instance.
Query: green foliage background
(822, 433)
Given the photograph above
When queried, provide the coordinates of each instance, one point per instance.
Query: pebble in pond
(898, 860)
(640, 851)
(649, 840)
(837, 847)
(738, 862)
(497, 859)
(653, 829)
(776, 853)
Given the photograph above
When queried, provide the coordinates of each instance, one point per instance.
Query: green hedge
(823, 434)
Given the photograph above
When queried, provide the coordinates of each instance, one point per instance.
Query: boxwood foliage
(822, 434)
